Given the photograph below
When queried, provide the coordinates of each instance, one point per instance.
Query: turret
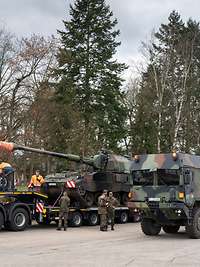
(103, 161)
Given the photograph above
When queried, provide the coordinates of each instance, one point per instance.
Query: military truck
(166, 188)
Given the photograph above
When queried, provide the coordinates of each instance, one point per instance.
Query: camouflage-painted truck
(166, 188)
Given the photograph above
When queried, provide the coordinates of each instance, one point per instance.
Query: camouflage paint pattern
(165, 161)
(163, 202)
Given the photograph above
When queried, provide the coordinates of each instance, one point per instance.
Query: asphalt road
(87, 246)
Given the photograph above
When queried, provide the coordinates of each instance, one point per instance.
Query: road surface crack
(131, 261)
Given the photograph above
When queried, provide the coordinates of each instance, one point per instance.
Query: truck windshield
(163, 177)
(143, 177)
(168, 177)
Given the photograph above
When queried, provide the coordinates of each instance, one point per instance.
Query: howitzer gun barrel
(10, 147)
(102, 161)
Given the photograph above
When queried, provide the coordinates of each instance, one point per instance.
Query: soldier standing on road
(102, 210)
(112, 204)
(64, 210)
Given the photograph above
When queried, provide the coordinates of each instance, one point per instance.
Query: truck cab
(166, 188)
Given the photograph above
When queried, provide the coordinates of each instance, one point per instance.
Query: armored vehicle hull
(86, 188)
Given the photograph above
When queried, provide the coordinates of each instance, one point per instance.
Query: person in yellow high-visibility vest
(36, 180)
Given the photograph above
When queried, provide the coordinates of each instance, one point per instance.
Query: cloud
(136, 18)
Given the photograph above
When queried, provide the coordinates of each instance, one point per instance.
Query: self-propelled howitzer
(109, 171)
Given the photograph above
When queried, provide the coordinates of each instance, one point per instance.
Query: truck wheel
(1, 220)
(123, 217)
(193, 229)
(93, 219)
(150, 227)
(171, 229)
(19, 220)
(76, 219)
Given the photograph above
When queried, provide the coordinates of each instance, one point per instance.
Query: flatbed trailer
(18, 209)
(87, 216)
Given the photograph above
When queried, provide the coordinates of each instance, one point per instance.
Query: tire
(93, 219)
(2, 221)
(19, 220)
(150, 227)
(123, 217)
(193, 229)
(171, 229)
(76, 219)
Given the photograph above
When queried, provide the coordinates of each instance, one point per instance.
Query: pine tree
(89, 76)
(170, 89)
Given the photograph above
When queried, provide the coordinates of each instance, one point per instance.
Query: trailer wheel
(123, 217)
(76, 219)
(93, 219)
(1, 220)
(19, 220)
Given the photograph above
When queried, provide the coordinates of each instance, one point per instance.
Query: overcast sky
(136, 18)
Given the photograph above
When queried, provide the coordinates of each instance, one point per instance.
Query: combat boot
(112, 227)
(58, 228)
(105, 228)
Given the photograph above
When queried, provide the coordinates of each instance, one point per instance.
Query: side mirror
(187, 175)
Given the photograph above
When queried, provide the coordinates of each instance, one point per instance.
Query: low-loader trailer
(18, 209)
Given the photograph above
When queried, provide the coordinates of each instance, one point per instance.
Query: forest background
(67, 93)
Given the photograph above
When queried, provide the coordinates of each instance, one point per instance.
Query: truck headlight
(181, 195)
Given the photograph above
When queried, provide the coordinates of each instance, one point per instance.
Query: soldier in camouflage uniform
(64, 210)
(102, 210)
(112, 203)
